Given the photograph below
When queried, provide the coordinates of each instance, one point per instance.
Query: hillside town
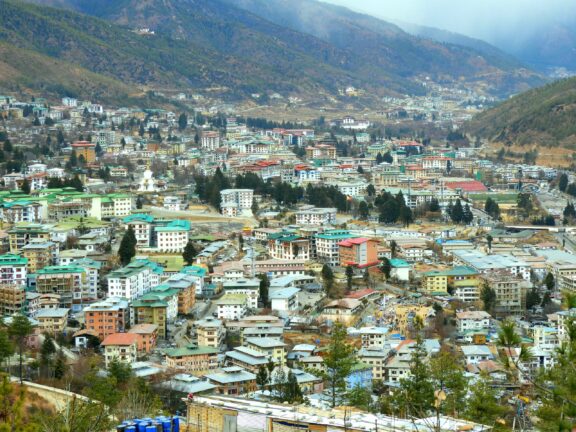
(325, 274)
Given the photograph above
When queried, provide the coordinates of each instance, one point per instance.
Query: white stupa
(148, 183)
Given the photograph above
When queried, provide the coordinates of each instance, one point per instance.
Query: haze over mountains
(247, 46)
(540, 34)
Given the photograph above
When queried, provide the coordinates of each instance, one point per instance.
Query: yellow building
(40, 254)
(275, 349)
(52, 321)
(152, 311)
(461, 281)
(405, 315)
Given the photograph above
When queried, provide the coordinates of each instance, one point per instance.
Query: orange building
(147, 336)
(85, 149)
(358, 252)
(106, 317)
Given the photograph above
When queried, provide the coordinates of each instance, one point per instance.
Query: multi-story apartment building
(484, 264)
(286, 246)
(232, 307)
(107, 317)
(122, 347)
(12, 299)
(248, 287)
(21, 211)
(316, 216)
(143, 226)
(510, 292)
(13, 270)
(69, 282)
(321, 151)
(327, 249)
(210, 140)
(173, 237)
(193, 359)
(147, 336)
(210, 332)
(21, 235)
(134, 280)
(40, 254)
(374, 337)
(52, 321)
(473, 320)
(236, 201)
(85, 150)
(358, 252)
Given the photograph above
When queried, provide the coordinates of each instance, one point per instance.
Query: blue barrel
(150, 428)
(142, 426)
(166, 425)
(130, 428)
(175, 424)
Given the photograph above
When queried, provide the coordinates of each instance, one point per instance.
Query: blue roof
(397, 262)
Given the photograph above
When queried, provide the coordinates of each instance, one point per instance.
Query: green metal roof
(191, 350)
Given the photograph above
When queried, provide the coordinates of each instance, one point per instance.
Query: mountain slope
(543, 116)
(379, 42)
(371, 53)
(162, 62)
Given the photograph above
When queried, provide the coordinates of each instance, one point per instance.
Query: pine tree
(19, 330)
(182, 121)
(339, 360)
(457, 212)
(139, 202)
(549, 281)
(47, 350)
(327, 277)
(6, 347)
(415, 396)
(127, 249)
(563, 182)
(264, 288)
(482, 405)
(262, 377)
(25, 187)
(349, 276)
(189, 253)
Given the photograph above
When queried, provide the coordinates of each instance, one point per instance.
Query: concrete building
(235, 202)
(107, 317)
(249, 287)
(193, 359)
(358, 252)
(473, 320)
(233, 381)
(69, 282)
(316, 216)
(232, 307)
(52, 321)
(12, 299)
(210, 332)
(510, 292)
(327, 249)
(40, 254)
(134, 280)
(122, 347)
(284, 299)
(13, 270)
(147, 336)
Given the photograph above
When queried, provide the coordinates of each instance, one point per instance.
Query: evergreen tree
(467, 216)
(415, 396)
(264, 288)
(488, 297)
(25, 187)
(434, 205)
(388, 157)
(563, 182)
(386, 267)
(127, 249)
(349, 276)
(339, 361)
(121, 372)
(262, 377)
(363, 210)
(533, 299)
(293, 391)
(489, 240)
(47, 350)
(19, 330)
(182, 121)
(448, 376)
(327, 277)
(139, 202)
(549, 281)
(371, 190)
(482, 405)
(379, 158)
(6, 347)
(457, 212)
(7, 147)
(189, 253)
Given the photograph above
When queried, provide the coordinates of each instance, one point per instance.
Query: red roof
(83, 144)
(361, 294)
(467, 186)
(353, 241)
(120, 339)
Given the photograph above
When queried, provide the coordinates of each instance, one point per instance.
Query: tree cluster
(392, 209)
(492, 208)
(460, 214)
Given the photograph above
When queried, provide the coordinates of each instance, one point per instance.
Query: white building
(248, 287)
(235, 202)
(173, 203)
(475, 354)
(232, 307)
(374, 337)
(173, 237)
(284, 299)
(316, 216)
(132, 281)
(473, 320)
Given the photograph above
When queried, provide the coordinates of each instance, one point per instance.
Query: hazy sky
(490, 20)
